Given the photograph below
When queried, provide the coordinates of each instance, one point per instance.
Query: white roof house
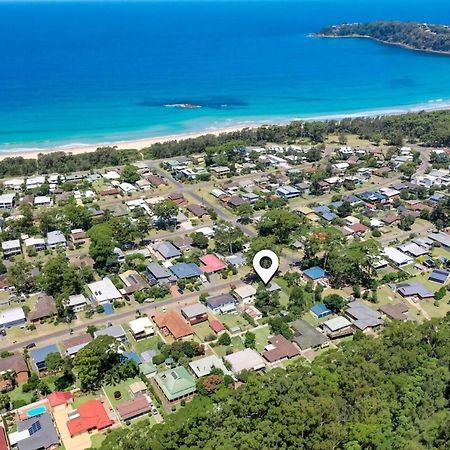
(203, 367)
(247, 359)
(35, 242)
(397, 257)
(127, 187)
(11, 317)
(141, 326)
(104, 291)
(15, 184)
(245, 293)
(111, 175)
(42, 200)
(56, 239)
(77, 301)
(337, 323)
(7, 200)
(11, 247)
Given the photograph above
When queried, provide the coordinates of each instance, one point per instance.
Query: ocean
(88, 72)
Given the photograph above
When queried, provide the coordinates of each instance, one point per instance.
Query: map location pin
(265, 273)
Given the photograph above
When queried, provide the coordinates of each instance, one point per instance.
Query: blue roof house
(314, 273)
(39, 354)
(320, 310)
(186, 270)
(439, 276)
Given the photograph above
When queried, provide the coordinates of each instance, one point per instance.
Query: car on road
(30, 345)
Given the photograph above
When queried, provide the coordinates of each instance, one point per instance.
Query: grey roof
(363, 316)
(409, 290)
(306, 336)
(167, 250)
(44, 436)
(442, 238)
(220, 300)
(56, 237)
(158, 271)
(194, 310)
(116, 331)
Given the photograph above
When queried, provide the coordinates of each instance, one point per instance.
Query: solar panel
(35, 427)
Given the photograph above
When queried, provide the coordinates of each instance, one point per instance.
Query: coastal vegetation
(390, 392)
(417, 36)
(431, 128)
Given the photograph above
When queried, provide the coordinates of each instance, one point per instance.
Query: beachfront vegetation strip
(417, 36)
(431, 128)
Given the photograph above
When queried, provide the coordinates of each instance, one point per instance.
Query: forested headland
(418, 36)
(389, 393)
(430, 128)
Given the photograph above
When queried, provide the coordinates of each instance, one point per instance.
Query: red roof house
(59, 398)
(91, 415)
(211, 263)
(216, 326)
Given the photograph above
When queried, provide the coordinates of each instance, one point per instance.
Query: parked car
(30, 345)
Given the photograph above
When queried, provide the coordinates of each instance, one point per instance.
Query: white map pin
(265, 274)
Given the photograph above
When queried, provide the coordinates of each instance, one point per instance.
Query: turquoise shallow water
(86, 72)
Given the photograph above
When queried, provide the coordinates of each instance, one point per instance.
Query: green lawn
(262, 335)
(146, 344)
(80, 399)
(122, 387)
(202, 330)
(97, 439)
(236, 345)
(233, 320)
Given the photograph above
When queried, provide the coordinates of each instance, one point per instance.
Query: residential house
(56, 239)
(197, 210)
(44, 309)
(195, 313)
(133, 282)
(177, 197)
(417, 290)
(399, 258)
(217, 326)
(135, 407)
(279, 349)
(204, 366)
(115, 331)
(89, 416)
(141, 328)
(11, 248)
(399, 311)
(74, 344)
(78, 236)
(38, 355)
(221, 304)
(137, 389)
(439, 276)
(17, 365)
(288, 192)
(245, 293)
(167, 250)
(156, 273)
(363, 317)
(12, 317)
(37, 244)
(7, 201)
(247, 359)
(220, 171)
(77, 303)
(320, 311)
(307, 337)
(171, 323)
(337, 327)
(185, 270)
(176, 384)
(211, 264)
(35, 433)
(104, 291)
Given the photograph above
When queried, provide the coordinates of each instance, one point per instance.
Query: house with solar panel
(176, 384)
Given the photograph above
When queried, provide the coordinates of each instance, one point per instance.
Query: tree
(334, 302)
(224, 339)
(228, 238)
(20, 274)
(199, 240)
(165, 211)
(250, 340)
(280, 223)
(408, 169)
(345, 209)
(440, 294)
(54, 362)
(93, 361)
(244, 212)
(5, 401)
(102, 245)
(279, 326)
(130, 174)
(406, 222)
(297, 300)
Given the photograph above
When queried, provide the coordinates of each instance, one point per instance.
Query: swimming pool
(36, 411)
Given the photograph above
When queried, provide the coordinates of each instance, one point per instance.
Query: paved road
(120, 317)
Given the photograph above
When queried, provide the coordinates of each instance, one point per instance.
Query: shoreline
(380, 41)
(141, 143)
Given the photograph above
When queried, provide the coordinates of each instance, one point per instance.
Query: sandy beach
(134, 144)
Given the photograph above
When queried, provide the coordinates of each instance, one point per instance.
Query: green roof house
(148, 369)
(176, 384)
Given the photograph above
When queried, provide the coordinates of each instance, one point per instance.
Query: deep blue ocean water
(103, 71)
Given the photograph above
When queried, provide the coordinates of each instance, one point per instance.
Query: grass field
(145, 344)
(262, 335)
(202, 330)
(122, 387)
(233, 320)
